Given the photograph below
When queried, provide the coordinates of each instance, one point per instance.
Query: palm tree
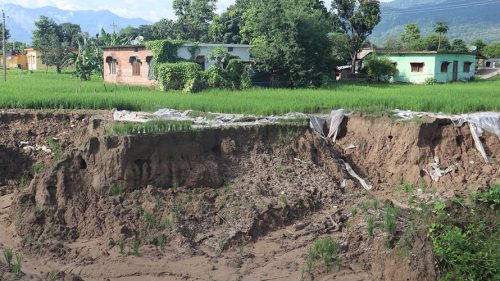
(441, 28)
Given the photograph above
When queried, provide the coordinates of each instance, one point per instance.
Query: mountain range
(467, 19)
(20, 20)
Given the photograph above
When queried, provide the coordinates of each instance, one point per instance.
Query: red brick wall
(124, 67)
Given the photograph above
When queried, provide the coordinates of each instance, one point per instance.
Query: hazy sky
(151, 10)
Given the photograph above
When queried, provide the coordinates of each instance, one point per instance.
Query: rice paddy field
(41, 90)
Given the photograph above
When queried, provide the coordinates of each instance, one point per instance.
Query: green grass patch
(465, 242)
(156, 127)
(40, 90)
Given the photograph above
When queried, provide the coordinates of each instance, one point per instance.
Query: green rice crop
(155, 127)
(40, 90)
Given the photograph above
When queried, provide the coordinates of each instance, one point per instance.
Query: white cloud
(151, 10)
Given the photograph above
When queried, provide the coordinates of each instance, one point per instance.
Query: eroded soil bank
(243, 203)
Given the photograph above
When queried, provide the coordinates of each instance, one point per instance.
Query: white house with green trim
(417, 67)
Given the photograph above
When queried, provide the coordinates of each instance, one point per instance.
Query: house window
(417, 67)
(201, 61)
(111, 65)
(136, 66)
(444, 66)
(230, 49)
(467, 65)
(488, 64)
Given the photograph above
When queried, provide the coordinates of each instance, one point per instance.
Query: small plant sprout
(16, 269)
(370, 225)
(23, 183)
(327, 250)
(52, 276)
(135, 247)
(162, 242)
(222, 243)
(121, 247)
(37, 168)
(283, 199)
(116, 190)
(8, 254)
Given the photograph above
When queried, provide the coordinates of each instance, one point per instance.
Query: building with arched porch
(132, 64)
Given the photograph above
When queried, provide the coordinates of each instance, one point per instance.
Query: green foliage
(164, 51)
(135, 247)
(37, 168)
(412, 32)
(391, 219)
(162, 242)
(380, 68)
(55, 147)
(52, 91)
(156, 127)
(121, 247)
(17, 267)
(357, 19)
(116, 190)
(88, 61)
(297, 57)
(8, 254)
(193, 19)
(465, 242)
(56, 42)
(493, 50)
(214, 76)
(226, 27)
(370, 224)
(491, 197)
(222, 243)
(186, 76)
(23, 183)
(459, 46)
(430, 81)
(327, 250)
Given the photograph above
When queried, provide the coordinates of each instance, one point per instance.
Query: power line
(436, 9)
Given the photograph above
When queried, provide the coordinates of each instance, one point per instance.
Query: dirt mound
(200, 193)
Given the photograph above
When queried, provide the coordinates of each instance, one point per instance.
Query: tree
(412, 33)
(193, 19)
(493, 50)
(459, 46)
(441, 28)
(55, 42)
(88, 61)
(226, 27)
(380, 68)
(290, 39)
(395, 44)
(7, 32)
(480, 45)
(356, 18)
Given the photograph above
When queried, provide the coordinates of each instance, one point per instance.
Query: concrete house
(416, 67)
(492, 63)
(15, 61)
(132, 64)
(34, 59)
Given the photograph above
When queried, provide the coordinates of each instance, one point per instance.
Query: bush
(234, 72)
(184, 76)
(327, 250)
(430, 81)
(380, 68)
(214, 76)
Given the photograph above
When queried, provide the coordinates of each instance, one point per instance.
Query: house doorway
(201, 61)
(455, 70)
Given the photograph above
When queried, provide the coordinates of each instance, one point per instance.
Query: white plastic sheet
(478, 123)
(205, 119)
(331, 122)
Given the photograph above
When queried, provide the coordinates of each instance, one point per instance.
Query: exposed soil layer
(241, 203)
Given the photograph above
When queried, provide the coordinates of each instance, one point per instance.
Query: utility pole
(4, 59)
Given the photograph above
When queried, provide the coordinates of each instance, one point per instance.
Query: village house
(492, 63)
(132, 64)
(417, 67)
(15, 61)
(34, 59)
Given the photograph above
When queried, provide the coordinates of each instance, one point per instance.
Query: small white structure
(492, 63)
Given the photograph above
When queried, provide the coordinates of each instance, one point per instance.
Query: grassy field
(50, 90)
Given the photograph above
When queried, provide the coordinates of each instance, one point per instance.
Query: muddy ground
(225, 204)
